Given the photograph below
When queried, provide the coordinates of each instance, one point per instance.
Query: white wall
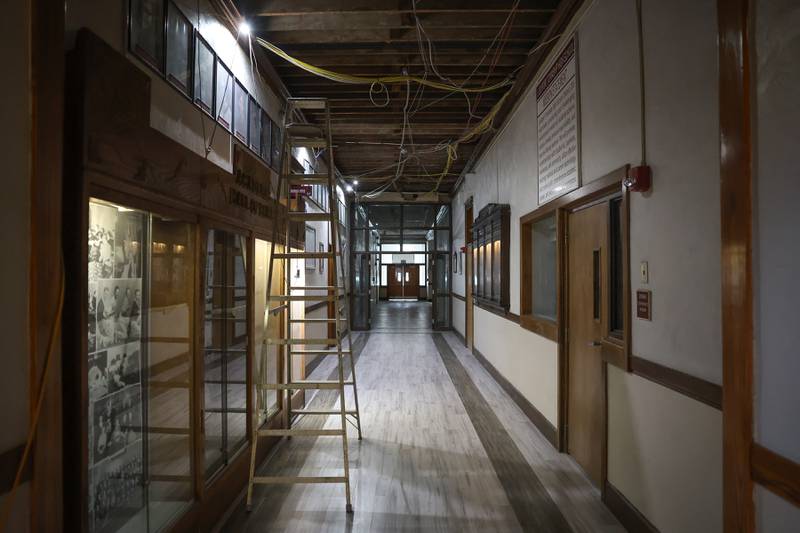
(776, 260)
(170, 112)
(675, 227)
(15, 108)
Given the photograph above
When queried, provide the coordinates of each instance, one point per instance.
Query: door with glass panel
(225, 345)
(139, 365)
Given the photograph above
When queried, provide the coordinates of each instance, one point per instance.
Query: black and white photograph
(98, 375)
(92, 317)
(102, 221)
(123, 366)
(116, 492)
(119, 311)
(128, 233)
(116, 422)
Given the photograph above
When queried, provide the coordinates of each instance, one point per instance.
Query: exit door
(403, 281)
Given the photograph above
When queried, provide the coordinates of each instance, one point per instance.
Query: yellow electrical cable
(349, 78)
(6, 511)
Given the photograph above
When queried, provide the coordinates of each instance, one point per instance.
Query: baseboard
(460, 336)
(628, 515)
(539, 420)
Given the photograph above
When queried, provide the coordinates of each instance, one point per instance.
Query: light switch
(645, 272)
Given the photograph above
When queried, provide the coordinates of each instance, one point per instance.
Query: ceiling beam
(281, 8)
(437, 35)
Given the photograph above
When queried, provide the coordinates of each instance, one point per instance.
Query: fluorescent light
(244, 28)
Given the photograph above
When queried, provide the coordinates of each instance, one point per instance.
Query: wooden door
(411, 281)
(587, 231)
(394, 287)
(468, 266)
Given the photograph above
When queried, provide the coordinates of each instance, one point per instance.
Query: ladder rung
(304, 384)
(313, 142)
(301, 341)
(305, 255)
(301, 297)
(300, 432)
(302, 215)
(320, 352)
(323, 412)
(309, 103)
(288, 480)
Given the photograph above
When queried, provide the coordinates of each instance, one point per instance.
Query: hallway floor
(444, 449)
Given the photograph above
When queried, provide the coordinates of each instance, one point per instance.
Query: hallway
(444, 449)
(401, 316)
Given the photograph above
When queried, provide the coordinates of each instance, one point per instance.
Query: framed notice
(557, 126)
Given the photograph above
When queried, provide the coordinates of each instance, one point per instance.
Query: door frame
(469, 311)
(613, 351)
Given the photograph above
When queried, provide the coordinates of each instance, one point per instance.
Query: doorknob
(593, 344)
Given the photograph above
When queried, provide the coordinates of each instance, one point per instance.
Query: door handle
(594, 344)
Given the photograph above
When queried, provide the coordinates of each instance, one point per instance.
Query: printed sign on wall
(557, 127)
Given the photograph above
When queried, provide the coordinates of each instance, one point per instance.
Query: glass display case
(490, 235)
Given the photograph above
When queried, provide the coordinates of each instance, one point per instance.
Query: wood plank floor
(444, 449)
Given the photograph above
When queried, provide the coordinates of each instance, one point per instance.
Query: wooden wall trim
(539, 420)
(9, 463)
(776, 473)
(630, 517)
(46, 264)
(696, 388)
(508, 315)
(458, 296)
(736, 200)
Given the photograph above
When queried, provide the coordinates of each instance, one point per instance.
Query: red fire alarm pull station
(638, 179)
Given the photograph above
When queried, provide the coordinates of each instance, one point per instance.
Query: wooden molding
(736, 200)
(540, 326)
(630, 517)
(776, 473)
(539, 420)
(9, 463)
(508, 315)
(458, 296)
(696, 388)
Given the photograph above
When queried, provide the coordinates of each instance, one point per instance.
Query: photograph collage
(114, 365)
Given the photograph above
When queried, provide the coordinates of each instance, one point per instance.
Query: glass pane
(266, 139)
(240, 102)
(179, 48)
(116, 305)
(497, 275)
(224, 96)
(384, 216)
(422, 279)
(169, 442)
(360, 240)
(487, 270)
(441, 274)
(383, 275)
(544, 268)
(360, 215)
(442, 311)
(255, 126)
(419, 216)
(204, 76)
(266, 325)
(442, 240)
(443, 216)
(147, 31)
(615, 257)
(277, 145)
(389, 237)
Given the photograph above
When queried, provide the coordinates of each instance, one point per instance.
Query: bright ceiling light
(355, 182)
(244, 28)
(349, 188)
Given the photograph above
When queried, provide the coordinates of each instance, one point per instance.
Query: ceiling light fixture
(244, 28)
(349, 188)
(355, 182)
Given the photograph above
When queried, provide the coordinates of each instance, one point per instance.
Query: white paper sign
(557, 121)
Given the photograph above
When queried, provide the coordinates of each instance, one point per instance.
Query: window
(224, 96)
(616, 272)
(544, 268)
(204, 76)
(266, 136)
(179, 49)
(224, 348)
(139, 364)
(240, 101)
(277, 145)
(266, 360)
(147, 31)
(255, 126)
(490, 235)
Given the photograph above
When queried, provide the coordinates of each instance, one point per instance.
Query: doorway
(403, 282)
(587, 250)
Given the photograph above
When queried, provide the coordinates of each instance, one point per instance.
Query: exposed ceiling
(473, 42)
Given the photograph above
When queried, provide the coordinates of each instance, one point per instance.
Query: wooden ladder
(309, 136)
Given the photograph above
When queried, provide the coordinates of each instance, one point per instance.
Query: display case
(490, 238)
